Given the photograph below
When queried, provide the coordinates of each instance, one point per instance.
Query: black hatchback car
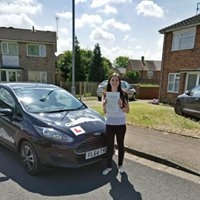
(48, 126)
(189, 103)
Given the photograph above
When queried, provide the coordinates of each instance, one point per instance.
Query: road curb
(159, 160)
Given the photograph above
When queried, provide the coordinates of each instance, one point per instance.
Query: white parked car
(125, 85)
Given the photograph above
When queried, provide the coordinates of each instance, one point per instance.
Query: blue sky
(121, 27)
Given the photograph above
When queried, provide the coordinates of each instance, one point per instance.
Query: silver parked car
(125, 85)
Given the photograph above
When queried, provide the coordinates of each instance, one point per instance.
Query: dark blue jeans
(111, 131)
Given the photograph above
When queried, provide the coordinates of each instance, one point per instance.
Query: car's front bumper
(58, 155)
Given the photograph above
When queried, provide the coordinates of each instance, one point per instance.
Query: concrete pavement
(174, 150)
(178, 151)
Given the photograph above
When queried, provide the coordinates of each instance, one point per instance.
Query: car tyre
(99, 98)
(133, 97)
(29, 158)
(177, 108)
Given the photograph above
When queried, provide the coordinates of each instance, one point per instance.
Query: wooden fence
(83, 89)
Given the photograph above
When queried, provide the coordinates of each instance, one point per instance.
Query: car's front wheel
(177, 108)
(29, 158)
(98, 98)
(134, 97)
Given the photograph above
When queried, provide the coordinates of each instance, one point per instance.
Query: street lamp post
(73, 89)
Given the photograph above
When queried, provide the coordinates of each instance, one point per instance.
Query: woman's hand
(124, 106)
(120, 102)
(104, 101)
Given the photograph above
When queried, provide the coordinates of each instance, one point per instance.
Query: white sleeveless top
(115, 118)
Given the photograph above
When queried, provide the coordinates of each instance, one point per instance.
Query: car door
(191, 103)
(195, 106)
(9, 126)
(127, 87)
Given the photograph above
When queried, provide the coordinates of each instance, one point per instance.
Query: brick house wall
(143, 67)
(46, 64)
(176, 62)
(28, 64)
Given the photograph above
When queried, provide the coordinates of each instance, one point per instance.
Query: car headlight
(53, 134)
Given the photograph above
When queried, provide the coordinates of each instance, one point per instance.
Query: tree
(79, 69)
(107, 65)
(86, 57)
(96, 70)
(64, 63)
(134, 75)
(121, 61)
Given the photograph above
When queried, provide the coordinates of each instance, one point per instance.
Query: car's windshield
(47, 100)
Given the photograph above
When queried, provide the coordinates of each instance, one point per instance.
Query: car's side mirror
(188, 92)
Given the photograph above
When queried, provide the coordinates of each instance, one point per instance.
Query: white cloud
(64, 30)
(16, 21)
(112, 24)
(160, 43)
(80, 1)
(149, 8)
(109, 9)
(99, 35)
(65, 15)
(20, 6)
(15, 13)
(100, 3)
(128, 38)
(86, 19)
(63, 44)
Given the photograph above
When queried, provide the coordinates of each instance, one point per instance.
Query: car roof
(105, 81)
(14, 85)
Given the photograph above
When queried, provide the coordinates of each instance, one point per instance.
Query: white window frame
(8, 75)
(6, 48)
(41, 50)
(173, 82)
(197, 79)
(150, 74)
(37, 76)
(184, 39)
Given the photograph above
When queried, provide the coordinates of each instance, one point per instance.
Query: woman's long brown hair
(123, 94)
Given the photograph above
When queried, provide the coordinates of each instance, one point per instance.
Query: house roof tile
(145, 65)
(192, 21)
(11, 33)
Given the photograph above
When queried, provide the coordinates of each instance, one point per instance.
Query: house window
(173, 82)
(36, 50)
(149, 73)
(37, 76)
(192, 80)
(8, 76)
(3, 76)
(9, 48)
(183, 39)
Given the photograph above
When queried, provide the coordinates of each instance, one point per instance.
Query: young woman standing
(115, 122)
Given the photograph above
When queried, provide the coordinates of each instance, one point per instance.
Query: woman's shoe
(121, 169)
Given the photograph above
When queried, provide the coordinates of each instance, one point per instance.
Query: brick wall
(174, 61)
(46, 64)
(147, 92)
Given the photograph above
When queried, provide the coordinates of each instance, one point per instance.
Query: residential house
(120, 70)
(149, 70)
(180, 59)
(27, 55)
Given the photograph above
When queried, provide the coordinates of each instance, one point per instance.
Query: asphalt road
(143, 180)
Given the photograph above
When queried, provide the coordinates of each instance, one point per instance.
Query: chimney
(142, 59)
(33, 29)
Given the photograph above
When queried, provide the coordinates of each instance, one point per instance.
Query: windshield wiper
(44, 99)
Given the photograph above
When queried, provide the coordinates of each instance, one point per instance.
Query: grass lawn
(160, 117)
